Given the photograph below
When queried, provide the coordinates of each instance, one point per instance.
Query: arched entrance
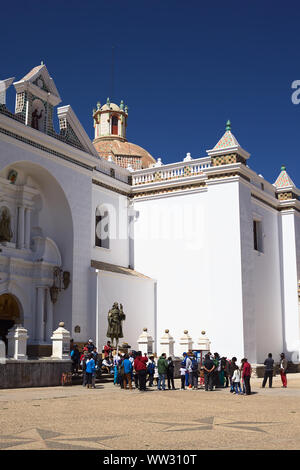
(10, 314)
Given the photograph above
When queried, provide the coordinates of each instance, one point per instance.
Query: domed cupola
(110, 120)
(110, 123)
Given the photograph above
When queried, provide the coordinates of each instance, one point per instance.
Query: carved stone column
(49, 321)
(21, 227)
(40, 314)
(27, 228)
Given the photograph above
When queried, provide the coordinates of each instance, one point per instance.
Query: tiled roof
(228, 140)
(32, 72)
(114, 147)
(283, 180)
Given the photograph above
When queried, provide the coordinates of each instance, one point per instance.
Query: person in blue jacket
(90, 370)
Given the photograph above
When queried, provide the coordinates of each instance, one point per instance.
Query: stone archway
(10, 314)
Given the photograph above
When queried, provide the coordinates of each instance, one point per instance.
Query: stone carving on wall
(5, 226)
(115, 318)
(35, 119)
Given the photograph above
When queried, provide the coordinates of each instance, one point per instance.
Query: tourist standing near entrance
(127, 364)
(209, 368)
(140, 366)
(283, 369)
(236, 379)
(162, 368)
(75, 356)
(90, 370)
(231, 368)
(182, 375)
(246, 374)
(170, 374)
(185, 356)
(194, 373)
(151, 369)
(188, 365)
(269, 369)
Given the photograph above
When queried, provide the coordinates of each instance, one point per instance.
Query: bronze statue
(115, 318)
(35, 119)
(5, 229)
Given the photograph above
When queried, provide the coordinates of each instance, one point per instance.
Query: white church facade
(201, 244)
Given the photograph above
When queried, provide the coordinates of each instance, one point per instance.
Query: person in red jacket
(246, 374)
(140, 366)
(107, 349)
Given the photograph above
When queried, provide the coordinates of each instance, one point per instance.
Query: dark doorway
(5, 325)
(9, 314)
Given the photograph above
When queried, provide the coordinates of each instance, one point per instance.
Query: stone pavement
(110, 418)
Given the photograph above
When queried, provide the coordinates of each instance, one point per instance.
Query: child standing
(201, 379)
(90, 370)
(182, 375)
(236, 379)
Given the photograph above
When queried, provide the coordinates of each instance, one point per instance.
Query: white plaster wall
(291, 323)
(297, 234)
(104, 124)
(262, 302)
(118, 252)
(191, 245)
(137, 295)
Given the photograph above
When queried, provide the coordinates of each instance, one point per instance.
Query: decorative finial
(145, 329)
(98, 105)
(228, 125)
(185, 332)
(126, 109)
(283, 168)
(42, 62)
(122, 105)
(203, 332)
(108, 102)
(167, 331)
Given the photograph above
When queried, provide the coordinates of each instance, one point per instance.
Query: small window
(114, 125)
(102, 229)
(257, 236)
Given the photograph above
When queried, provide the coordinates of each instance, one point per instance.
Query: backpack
(151, 368)
(194, 365)
(121, 368)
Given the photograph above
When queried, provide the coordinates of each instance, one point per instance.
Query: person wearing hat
(283, 369)
(90, 346)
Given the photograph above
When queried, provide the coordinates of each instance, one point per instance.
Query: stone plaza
(109, 419)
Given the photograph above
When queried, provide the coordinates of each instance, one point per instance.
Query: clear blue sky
(183, 68)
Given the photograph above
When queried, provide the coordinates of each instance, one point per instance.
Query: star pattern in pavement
(47, 439)
(210, 422)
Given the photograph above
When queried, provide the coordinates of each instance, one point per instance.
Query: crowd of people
(135, 370)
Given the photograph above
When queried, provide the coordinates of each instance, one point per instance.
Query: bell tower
(110, 121)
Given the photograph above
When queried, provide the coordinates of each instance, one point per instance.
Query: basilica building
(200, 244)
